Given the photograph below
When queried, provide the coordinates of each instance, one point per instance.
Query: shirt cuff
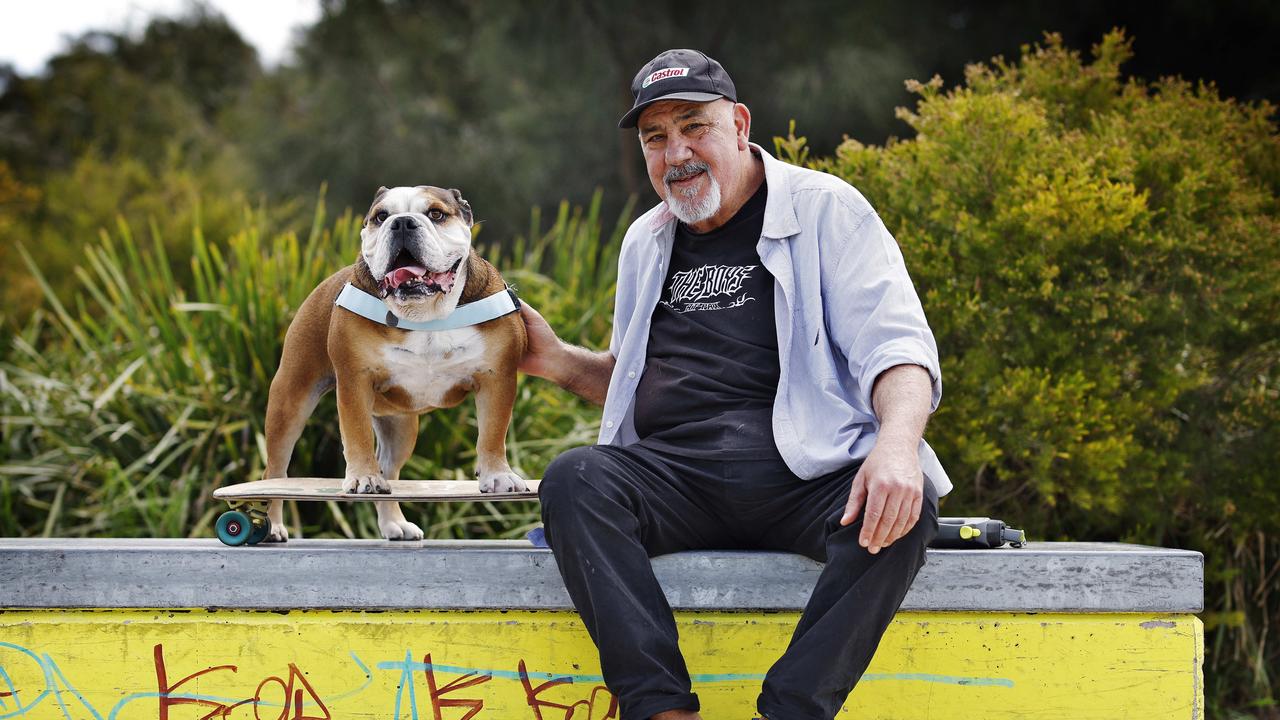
(900, 351)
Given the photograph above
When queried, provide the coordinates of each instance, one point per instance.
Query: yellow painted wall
(438, 665)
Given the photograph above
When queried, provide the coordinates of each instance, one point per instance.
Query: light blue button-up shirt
(844, 306)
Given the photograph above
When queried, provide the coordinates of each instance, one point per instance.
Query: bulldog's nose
(404, 223)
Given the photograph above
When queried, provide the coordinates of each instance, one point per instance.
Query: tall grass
(122, 410)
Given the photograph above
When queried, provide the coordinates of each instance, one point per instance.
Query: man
(767, 386)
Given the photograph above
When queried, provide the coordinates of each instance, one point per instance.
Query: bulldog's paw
(399, 530)
(279, 532)
(366, 484)
(502, 481)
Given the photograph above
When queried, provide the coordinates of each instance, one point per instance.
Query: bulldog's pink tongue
(404, 274)
(443, 279)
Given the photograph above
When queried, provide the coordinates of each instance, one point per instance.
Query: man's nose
(678, 151)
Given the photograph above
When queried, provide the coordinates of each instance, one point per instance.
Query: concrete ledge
(487, 575)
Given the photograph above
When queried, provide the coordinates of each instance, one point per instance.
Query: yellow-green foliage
(62, 217)
(1099, 261)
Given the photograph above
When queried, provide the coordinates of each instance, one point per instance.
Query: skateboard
(246, 522)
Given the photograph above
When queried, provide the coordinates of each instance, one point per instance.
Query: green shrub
(1099, 261)
(63, 216)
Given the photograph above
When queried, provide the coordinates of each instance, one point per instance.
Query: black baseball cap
(678, 75)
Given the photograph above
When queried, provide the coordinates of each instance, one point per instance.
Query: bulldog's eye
(380, 217)
(435, 214)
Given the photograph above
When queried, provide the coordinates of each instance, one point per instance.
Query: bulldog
(416, 256)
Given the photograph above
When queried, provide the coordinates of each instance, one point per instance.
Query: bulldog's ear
(466, 206)
(382, 190)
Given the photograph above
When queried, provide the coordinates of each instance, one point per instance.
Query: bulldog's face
(415, 241)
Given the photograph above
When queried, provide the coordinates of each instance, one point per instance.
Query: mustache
(687, 170)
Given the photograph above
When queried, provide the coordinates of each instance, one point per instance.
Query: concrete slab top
(495, 574)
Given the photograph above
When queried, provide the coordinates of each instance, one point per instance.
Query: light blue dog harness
(503, 302)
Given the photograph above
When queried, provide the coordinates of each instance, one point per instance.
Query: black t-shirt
(711, 371)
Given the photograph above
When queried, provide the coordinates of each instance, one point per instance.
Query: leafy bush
(122, 125)
(1099, 261)
(62, 216)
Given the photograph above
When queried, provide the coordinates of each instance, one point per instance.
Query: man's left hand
(891, 486)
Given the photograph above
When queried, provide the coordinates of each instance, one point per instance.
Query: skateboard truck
(246, 523)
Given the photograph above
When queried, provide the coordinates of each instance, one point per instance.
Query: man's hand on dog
(540, 358)
(889, 489)
(583, 372)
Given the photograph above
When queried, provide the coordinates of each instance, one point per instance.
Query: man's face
(691, 152)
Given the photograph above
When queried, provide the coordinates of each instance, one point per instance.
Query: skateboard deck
(401, 490)
(247, 523)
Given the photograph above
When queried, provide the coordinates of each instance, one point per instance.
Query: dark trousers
(607, 510)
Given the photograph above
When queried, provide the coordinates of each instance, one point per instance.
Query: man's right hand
(578, 370)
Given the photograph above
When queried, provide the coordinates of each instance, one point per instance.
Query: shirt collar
(779, 214)
(780, 220)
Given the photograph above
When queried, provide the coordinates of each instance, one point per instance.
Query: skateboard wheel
(259, 533)
(234, 527)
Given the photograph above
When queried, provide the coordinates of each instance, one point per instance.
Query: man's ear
(466, 206)
(742, 124)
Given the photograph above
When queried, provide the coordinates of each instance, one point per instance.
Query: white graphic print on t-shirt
(693, 289)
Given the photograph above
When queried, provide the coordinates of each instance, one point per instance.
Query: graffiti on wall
(422, 691)
(529, 665)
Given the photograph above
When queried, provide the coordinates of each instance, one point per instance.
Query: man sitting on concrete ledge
(766, 387)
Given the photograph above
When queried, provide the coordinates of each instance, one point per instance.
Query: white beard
(688, 209)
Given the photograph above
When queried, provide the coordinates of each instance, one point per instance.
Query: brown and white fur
(386, 377)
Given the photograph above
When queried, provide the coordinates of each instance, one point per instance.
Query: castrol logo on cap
(663, 74)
